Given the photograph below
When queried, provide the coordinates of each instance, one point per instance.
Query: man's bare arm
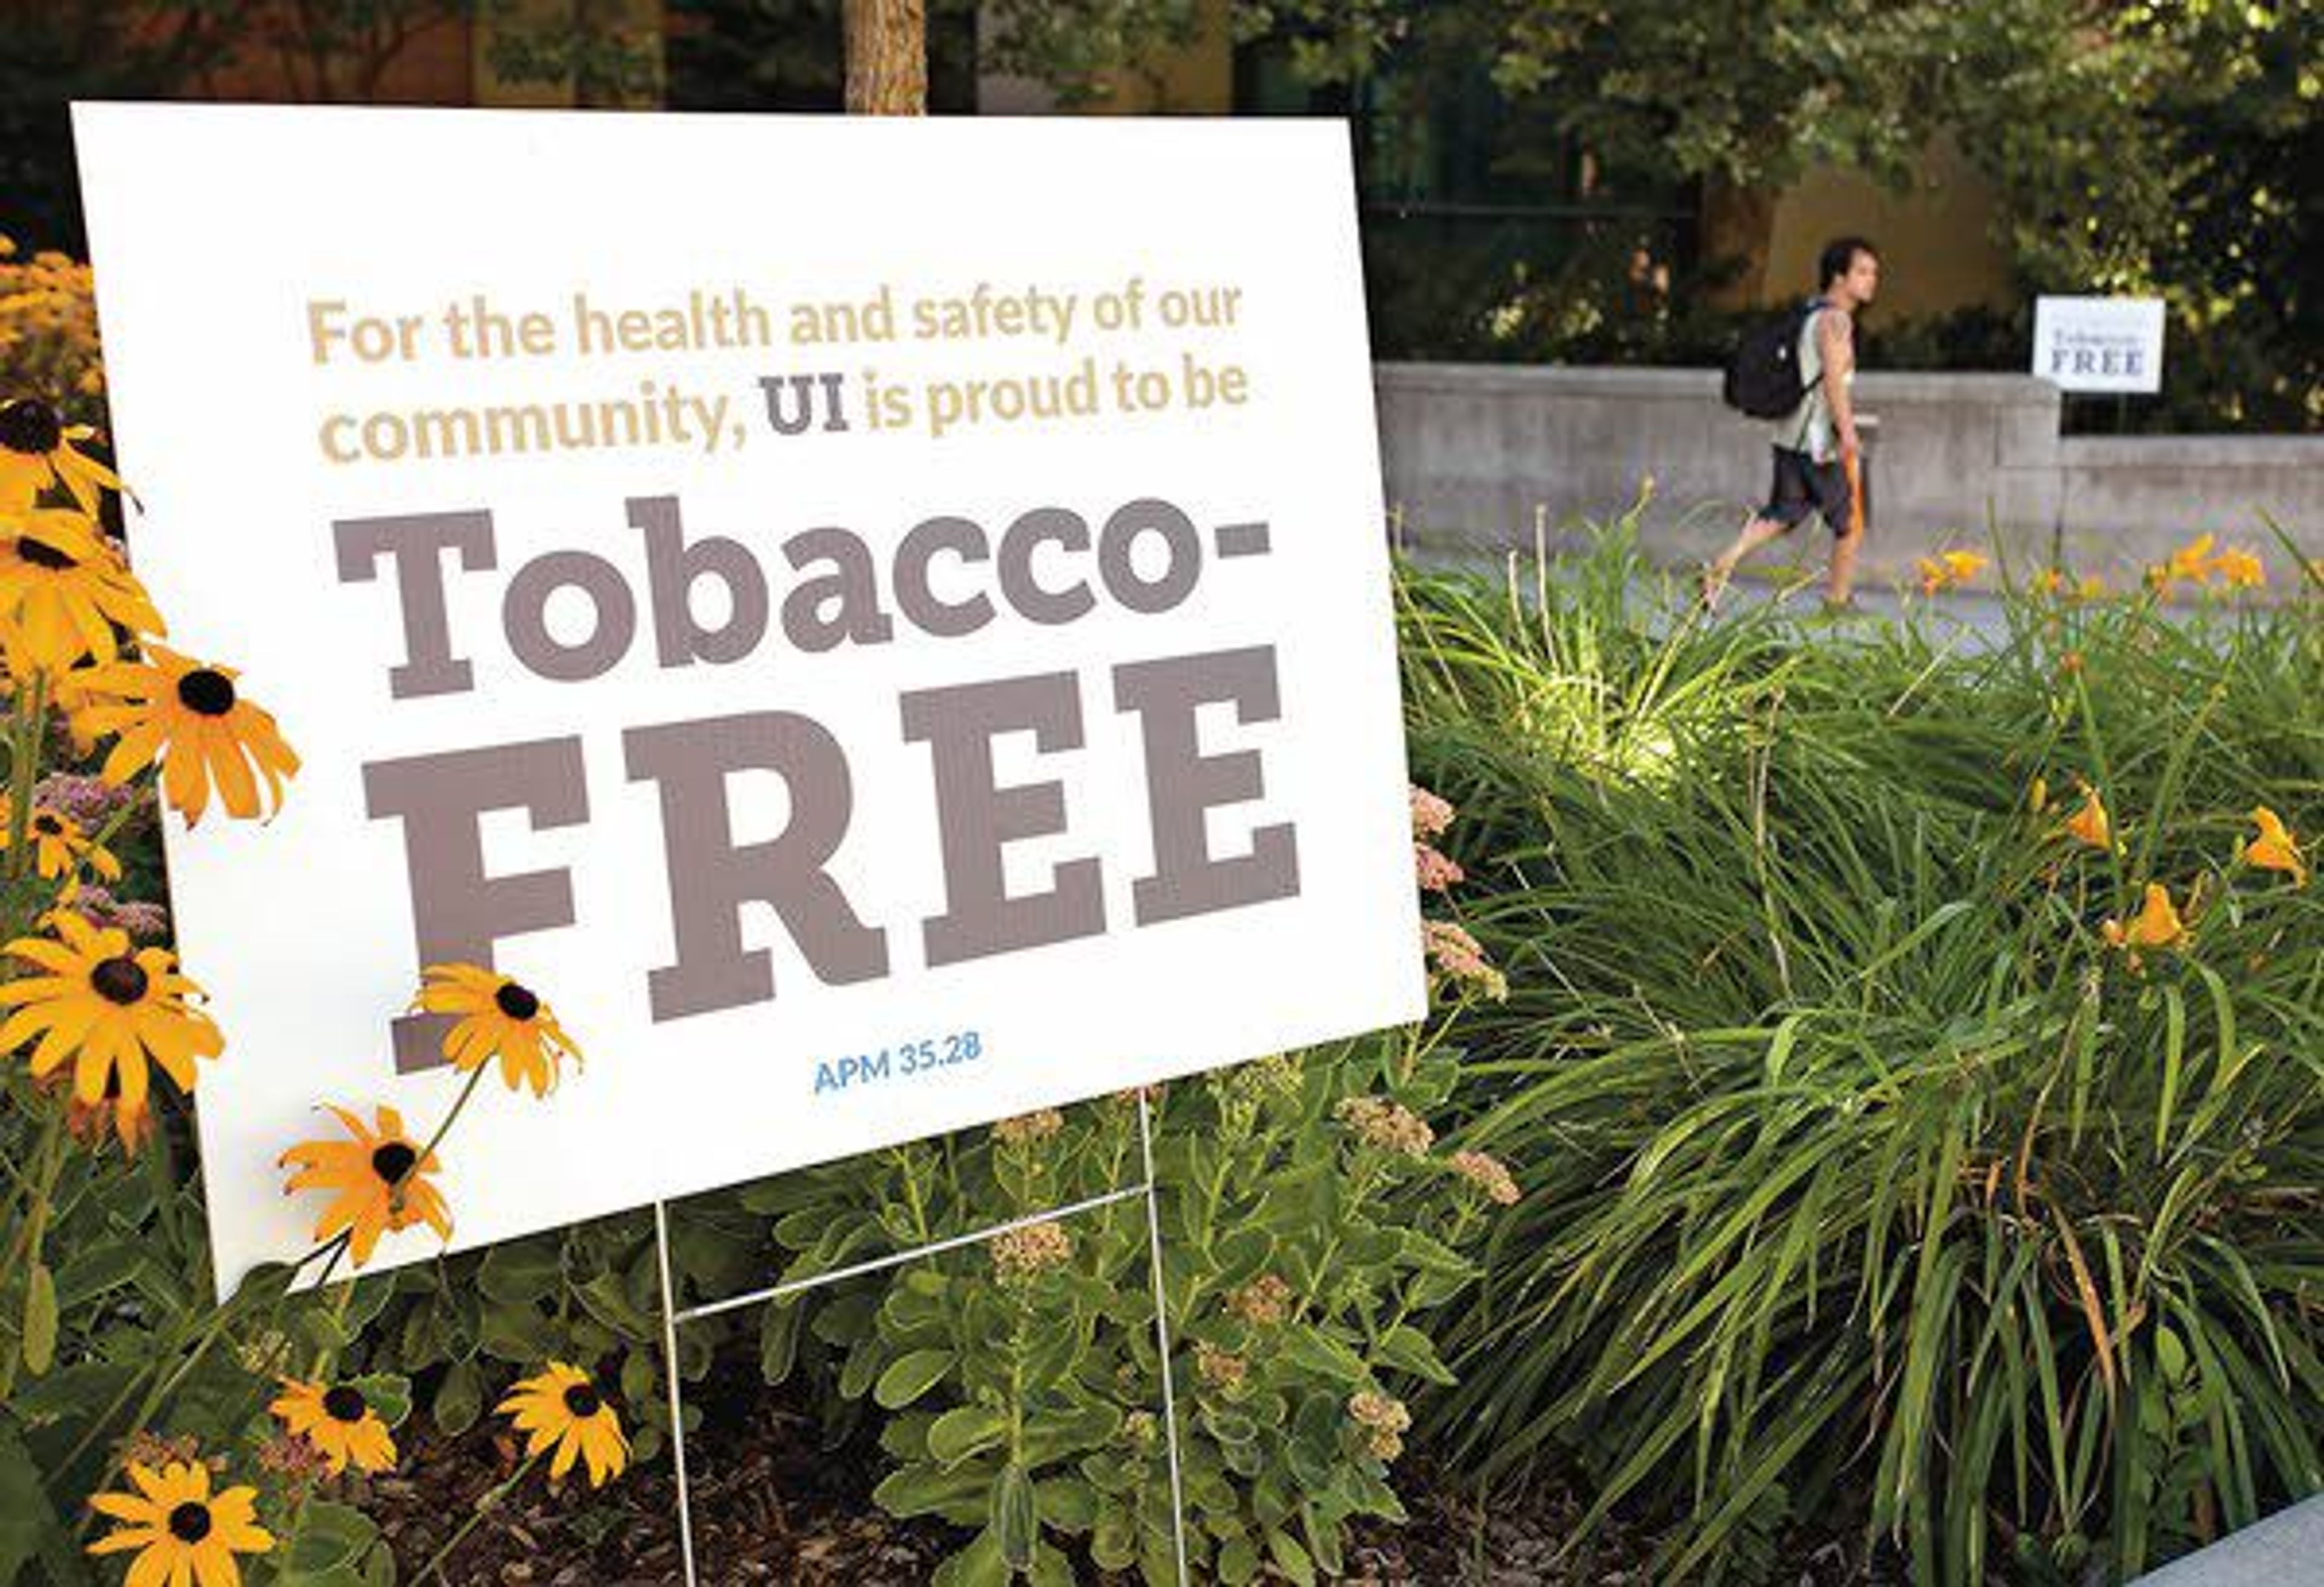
(1836, 348)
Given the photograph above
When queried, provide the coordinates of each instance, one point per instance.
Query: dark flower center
(47, 825)
(119, 979)
(30, 426)
(393, 1161)
(41, 554)
(206, 693)
(345, 1404)
(516, 1001)
(189, 1522)
(582, 1401)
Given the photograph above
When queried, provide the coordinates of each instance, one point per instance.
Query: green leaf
(1408, 1350)
(40, 1319)
(963, 1430)
(911, 1376)
(779, 1340)
(514, 1332)
(979, 1564)
(923, 1490)
(1289, 1558)
(459, 1399)
(330, 1538)
(1016, 1521)
(26, 1516)
(1113, 1541)
(387, 1393)
(522, 1271)
(1431, 1256)
(1051, 1436)
(608, 1301)
(105, 1264)
(1310, 1348)
(1066, 1503)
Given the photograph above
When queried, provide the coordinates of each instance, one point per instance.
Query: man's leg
(1756, 533)
(1845, 546)
(1842, 587)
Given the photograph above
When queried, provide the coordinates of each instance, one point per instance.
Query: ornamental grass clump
(1903, 1154)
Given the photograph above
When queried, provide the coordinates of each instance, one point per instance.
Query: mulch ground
(773, 1505)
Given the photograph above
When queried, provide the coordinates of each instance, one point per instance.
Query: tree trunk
(1738, 224)
(887, 56)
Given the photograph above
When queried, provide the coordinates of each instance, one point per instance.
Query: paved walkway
(2285, 1550)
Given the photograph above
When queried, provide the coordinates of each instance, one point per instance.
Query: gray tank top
(1808, 428)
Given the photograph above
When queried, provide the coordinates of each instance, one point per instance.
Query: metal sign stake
(674, 1316)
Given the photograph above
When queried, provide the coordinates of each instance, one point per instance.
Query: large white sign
(2099, 343)
(884, 623)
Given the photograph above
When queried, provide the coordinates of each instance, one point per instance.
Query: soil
(772, 1505)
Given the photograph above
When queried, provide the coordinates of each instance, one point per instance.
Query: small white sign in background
(884, 622)
(2099, 343)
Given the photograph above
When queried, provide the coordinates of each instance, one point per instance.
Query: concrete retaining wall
(1473, 452)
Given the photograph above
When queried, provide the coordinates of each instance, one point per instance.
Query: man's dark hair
(1838, 255)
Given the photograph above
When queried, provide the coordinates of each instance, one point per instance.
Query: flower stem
(31, 721)
(25, 1253)
(137, 786)
(445, 1128)
(484, 1505)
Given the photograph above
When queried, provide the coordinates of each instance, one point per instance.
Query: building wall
(432, 67)
(1475, 456)
(1937, 251)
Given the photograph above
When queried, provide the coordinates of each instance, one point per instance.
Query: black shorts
(1802, 485)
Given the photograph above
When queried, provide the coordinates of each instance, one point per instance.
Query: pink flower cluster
(89, 802)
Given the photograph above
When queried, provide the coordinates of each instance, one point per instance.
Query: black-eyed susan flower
(183, 1534)
(38, 450)
(2156, 925)
(60, 847)
(562, 1410)
(378, 1178)
(339, 1422)
(2275, 848)
(2090, 825)
(495, 1016)
(66, 590)
(91, 1123)
(111, 1011)
(194, 721)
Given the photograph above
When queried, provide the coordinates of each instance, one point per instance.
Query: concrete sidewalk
(2285, 1550)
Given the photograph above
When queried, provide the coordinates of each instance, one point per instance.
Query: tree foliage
(2150, 147)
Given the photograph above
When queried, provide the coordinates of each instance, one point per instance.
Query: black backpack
(1763, 374)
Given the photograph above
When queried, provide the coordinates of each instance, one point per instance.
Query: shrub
(1882, 1172)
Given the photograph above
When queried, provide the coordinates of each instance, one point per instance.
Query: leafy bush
(1308, 1235)
(1895, 1157)
(1309, 1238)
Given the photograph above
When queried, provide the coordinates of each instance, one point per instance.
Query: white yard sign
(2099, 343)
(884, 623)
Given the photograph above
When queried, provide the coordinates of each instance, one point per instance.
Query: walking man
(1819, 459)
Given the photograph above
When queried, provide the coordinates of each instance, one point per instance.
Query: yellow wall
(1196, 80)
(1937, 251)
(641, 20)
